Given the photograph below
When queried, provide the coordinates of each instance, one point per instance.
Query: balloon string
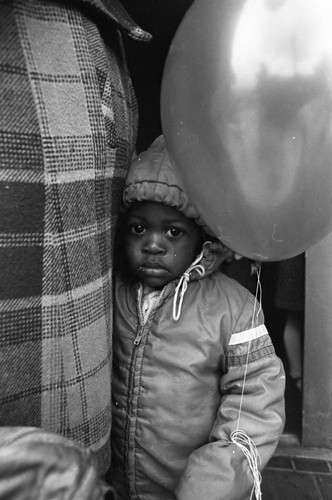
(248, 448)
(239, 437)
(258, 298)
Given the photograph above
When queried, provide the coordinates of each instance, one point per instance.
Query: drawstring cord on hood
(181, 287)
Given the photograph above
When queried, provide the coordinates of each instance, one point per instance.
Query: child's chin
(155, 282)
(153, 277)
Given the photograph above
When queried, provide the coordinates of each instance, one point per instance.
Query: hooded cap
(152, 177)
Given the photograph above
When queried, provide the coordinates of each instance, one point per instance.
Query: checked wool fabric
(67, 133)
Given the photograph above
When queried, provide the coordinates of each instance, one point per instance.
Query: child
(187, 340)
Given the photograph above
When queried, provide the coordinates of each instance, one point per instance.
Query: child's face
(160, 242)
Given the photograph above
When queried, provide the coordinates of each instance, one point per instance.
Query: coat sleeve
(219, 470)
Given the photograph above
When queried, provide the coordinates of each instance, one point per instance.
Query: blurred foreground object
(39, 465)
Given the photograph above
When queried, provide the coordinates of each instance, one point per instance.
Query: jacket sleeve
(219, 470)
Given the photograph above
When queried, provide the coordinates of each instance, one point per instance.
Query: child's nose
(154, 244)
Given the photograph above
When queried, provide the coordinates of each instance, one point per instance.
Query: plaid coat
(67, 133)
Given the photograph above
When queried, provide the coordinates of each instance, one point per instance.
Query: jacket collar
(114, 11)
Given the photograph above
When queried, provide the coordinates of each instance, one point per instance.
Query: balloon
(246, 108)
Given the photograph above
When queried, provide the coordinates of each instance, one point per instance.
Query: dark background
(161, 18)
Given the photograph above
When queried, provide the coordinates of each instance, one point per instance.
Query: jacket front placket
(142, 330)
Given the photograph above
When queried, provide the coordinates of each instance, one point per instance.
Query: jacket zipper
(139, 335)
(131, 383)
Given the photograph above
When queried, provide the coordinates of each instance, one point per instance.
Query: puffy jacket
(180, 388)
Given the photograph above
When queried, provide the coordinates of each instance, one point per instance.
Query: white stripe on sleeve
(247, 335)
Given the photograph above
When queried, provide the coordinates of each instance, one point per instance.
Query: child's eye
(137, 228)
(174, 232)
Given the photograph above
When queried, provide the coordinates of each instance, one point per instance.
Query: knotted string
(248, 448)
(239, 437)
(181, 287)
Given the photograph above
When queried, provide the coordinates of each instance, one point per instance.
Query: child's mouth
(152, 269)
